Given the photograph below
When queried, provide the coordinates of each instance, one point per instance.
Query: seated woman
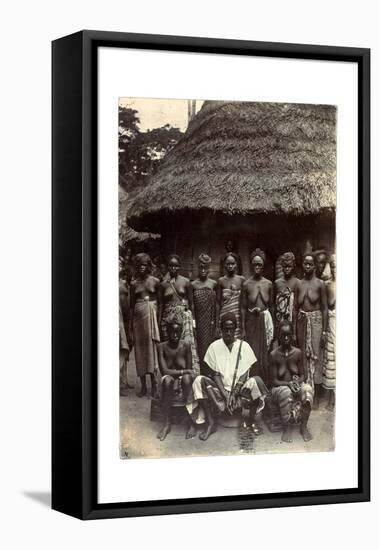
(175, 364)
(289, 391)
(230, 360)
(175, 297)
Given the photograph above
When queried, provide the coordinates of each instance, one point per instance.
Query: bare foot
(211, 428)
(305, 433)
(191, 432)
(287, 434)
(164, 432)
(330, 407)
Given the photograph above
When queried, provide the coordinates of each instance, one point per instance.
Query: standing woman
(310, 322)
(329, 366)
(257, 301)
(204, 301)
(145, 332)
(124, 329)
(284, 290)
(229, 293)
(176, 298)
(230, 249)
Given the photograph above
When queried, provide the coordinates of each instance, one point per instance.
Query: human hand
(232, 402)
(294, 386)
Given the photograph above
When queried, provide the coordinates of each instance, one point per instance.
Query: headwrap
(174, 319)
(142, 256)
(174, 257)
(288, 257)
(258, 252)
(228, 317)
(204, 259)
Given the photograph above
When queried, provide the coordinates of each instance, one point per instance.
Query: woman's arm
(218, 304)
(295, 312)
(324, 310)
(132, 305)
(243, 308)
(160, 303)
(189, 288)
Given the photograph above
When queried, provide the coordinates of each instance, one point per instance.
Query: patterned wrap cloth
(204, 300)
(289, 404)
(231, 304)
(309, 331)
(284, 305)
(329, 363)
(259, 334)
(146, 336)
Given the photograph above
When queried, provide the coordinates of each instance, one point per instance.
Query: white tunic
(223, 361)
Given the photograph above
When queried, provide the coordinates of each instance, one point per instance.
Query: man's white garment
(223, 361)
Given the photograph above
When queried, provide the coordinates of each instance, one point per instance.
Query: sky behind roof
(155, 113)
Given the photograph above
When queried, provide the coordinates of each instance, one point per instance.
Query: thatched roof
(126, 233)
(243, 158)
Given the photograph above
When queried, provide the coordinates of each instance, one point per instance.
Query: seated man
(230, 360)
(289, 391)
(175, 364)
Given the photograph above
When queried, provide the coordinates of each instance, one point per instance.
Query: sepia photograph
(227, 277)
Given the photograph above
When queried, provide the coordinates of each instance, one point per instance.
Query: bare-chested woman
(284, 290)
(229, 293)
(145, 332)
(310, 321)
(329, 367)
(176, 297)
(289, 390)
(175, 363)
(257, 301)
(230, 248)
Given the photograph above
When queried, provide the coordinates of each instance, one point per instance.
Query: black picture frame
(74, 273)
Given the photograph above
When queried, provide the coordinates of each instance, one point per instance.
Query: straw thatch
(244, 158)
(126, 233)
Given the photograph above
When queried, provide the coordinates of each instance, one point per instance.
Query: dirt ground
(138, 434)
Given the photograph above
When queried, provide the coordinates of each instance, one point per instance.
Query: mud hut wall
(273, 234)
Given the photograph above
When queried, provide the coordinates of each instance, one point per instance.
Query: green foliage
(140, 153)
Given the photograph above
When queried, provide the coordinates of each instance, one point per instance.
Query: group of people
(222, 346)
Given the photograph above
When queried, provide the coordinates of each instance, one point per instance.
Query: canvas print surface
(227, 277)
